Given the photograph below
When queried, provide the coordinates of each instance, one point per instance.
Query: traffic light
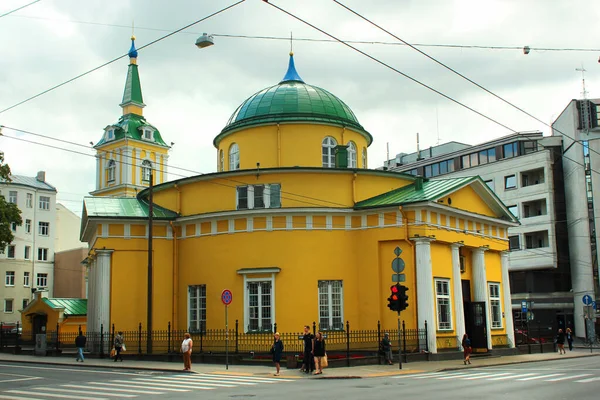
(394, 299)
(403, 298)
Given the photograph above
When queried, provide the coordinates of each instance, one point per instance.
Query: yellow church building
(295, 224)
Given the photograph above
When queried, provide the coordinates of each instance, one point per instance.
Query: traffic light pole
(399, 343)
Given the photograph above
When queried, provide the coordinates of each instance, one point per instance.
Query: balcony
(532, 177)
(534, 208)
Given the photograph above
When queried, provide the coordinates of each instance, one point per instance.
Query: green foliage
(9, 212)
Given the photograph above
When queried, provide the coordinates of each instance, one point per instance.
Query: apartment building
(27, 264)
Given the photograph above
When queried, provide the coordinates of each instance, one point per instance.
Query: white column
(104, 266)
(425, 296)
(459, 310)
(508, 314)
(119, 163)
(91, 315)
(480, 289)
(98, 176)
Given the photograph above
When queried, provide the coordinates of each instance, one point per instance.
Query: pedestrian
(80, 344)
(570, 338)
(119, 344)
(186, 350)
(277, 351)
(319, 353)
(308, 363)
(467, 350)
(560, 342)
(386, 348)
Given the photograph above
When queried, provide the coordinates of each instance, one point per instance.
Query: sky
(190, 93)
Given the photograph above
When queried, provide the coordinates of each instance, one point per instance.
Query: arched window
(364, 157)
(234, 157)
(146, 169)
(351, 155)
(328, 147)
(221, 160)
(110, 171)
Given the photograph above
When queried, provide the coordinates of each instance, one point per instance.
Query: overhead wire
(121, 56)
(19, 8)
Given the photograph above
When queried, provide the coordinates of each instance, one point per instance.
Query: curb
(84, 365)
(514, 362)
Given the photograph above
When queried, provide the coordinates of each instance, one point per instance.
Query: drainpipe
(175, 278)
(343, 131)
(278, 146)
(354, 188)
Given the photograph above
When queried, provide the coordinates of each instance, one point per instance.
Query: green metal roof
(123, 207)
(431, 191)
(71, 306)
(133, 87)
(129, 126)
(292, 100)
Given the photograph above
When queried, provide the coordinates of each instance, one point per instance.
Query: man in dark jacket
(80, 344)
(308, 363)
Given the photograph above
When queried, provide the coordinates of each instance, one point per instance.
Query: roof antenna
(291, 44)
(582, 70)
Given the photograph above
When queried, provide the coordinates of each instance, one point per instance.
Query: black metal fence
(216, 341)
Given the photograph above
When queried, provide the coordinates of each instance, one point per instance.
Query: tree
(9, 212)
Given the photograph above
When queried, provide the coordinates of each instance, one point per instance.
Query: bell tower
(130, 148)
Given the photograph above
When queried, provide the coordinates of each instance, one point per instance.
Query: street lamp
(205, 40)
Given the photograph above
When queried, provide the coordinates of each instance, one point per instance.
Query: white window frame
(44, 202)
(200, 324)
(13, 196)
(352, 158)
(9, 278)
(27, 252)
(250, 194)
(110, 171)
(146, 168)
(13, 226)
(234, 157)
(328, 286)
(8, 251)
(29, 200)
(252, 281)
(328, 152)
(42, 254)
(26, 279)
(148, 134)
(110, 134)
(495, 300)
(443, 299)
(28, 226)
(364, 157)
(12, 306)
(43, 228)
(40, 278)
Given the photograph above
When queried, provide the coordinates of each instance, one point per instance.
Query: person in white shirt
(186, 349)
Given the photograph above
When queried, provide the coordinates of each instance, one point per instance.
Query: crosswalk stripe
(206, 381)
(87, 386)
(439, 375)
(249, 378)
(192, 383)
(484, 376)
(460, 376)
(153, 382)
(567, 377)
(61, 396)
(589, 380)
(172, 388)
(211, 378)
(19, 398)
(508, 377)
(83, 392)
(531, 378)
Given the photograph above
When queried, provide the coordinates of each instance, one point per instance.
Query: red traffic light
(394, 289)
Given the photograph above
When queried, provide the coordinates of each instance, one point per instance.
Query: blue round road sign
(587, 299)
(226, 297)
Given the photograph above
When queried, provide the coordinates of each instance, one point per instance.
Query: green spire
(132, 96)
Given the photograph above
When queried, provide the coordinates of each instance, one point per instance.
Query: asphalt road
(574, 379)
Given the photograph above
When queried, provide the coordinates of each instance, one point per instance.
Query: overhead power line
(121, 56)
(20, 8)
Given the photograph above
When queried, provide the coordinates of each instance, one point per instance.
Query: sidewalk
(368, 371)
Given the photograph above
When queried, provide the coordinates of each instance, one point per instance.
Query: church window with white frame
(197, 308)
(352, 160)
(259, 196)
(146, 169)
(259, 305)
(364, 157)
(110, 171)
(234, 157)
(443, 304)
(331, 305)
(328, 152)
(495, 305)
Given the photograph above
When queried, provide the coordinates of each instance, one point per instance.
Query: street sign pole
(398, 267)
(226, 298)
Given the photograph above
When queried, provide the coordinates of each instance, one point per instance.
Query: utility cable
(20, 8)
(121, 56)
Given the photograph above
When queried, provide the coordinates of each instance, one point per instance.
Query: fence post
(379, 342)
(140, 339)
(236, 337)
(202, 333)
(169, 339)
(404, 341)
(112, 337)
(101, 340)
(426, 338)
(57, 339)
(79, 330)
(348, 343)
(274, 327)
(314, 328)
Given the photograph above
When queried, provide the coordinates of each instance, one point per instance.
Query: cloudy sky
(191, 93)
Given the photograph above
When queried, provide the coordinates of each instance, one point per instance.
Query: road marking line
(150, 382)
(241, 381)
(255, 378)
(166, 386)
(84, 392)
(20, 379)
(484, 376)
(86, 386)
(193, 383)
(207, 380)
(20, 398)
(567, 377)
(56, 368)
(461, 376)
(531, 378)
(508, 377)
(441, 375)
(419, 376)
(131, 385)
(61, 396)
(588, 380)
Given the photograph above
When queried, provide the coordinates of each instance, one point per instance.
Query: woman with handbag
(466, 344)
(319, 353)
(277, 351)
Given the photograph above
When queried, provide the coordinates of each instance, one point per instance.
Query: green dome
(292, 100)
